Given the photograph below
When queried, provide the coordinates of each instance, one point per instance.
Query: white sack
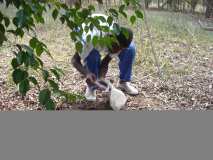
(117, 99)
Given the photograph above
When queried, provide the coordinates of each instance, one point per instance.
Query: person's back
(88, 47)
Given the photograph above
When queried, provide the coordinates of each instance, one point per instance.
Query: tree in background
(147, 3)
(73, 2)
(79, 2)
(194, 4)
(209, 9)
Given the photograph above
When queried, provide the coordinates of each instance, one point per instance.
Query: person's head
(124, 39)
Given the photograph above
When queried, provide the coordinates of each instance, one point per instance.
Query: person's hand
(103, 86)
(91, 78)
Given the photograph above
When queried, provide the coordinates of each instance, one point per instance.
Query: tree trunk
(73, 2)
(209, 9)
(146, 4)
(166, 3)
(194, 4)
(158, 4)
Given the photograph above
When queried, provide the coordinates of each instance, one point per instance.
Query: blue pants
(126, 57)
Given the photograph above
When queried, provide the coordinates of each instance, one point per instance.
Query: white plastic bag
(117, 99)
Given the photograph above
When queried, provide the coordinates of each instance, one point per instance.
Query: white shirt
(88, 47)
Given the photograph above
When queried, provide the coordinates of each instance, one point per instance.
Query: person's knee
(128, 54)
(94, 56)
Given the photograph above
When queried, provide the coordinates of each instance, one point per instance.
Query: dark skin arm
(104, 66)
(76, 62)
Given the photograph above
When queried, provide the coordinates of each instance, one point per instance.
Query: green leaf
(19, 32)
(15, 21)
(44, 96)
(124, 14)
(84, 13)
(89, 38)
(121, 8)
(28, 58)
(21, 18)
(24, 87)
(19, 75)
(39, 49)
(1, 16)
(33, 80)
(127, 2)
(102, 19)
(107, 41)
(55, 14)
(50, 105)
(39, 19)
(56, 74)
(14, 63)
(110, 20)
(17, 3)
(71, 97)
(62, 19)
(2, 38)
(139, 14)
(40, 61)
(91, 7)
(91, 26)
(33, 42)
(8, 2)
(73, 36)
(71, 24)
(95, 40)
(133, 19)
(86, 29)
(113, 12)
(79, 47)
(105, 29)
(45, 75)
(64, 6)
(102, 41)
(21, 57)
(59, 70)
(53, 84)
(34, 63)
(6, 21)
(2, 29)
(96, 23)
(72, 11)
(125, 32)
(48, 53)
(28, 49)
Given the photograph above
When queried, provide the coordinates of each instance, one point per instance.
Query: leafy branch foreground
(28, 56)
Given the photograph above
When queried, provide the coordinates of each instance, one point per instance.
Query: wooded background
(201, 6)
